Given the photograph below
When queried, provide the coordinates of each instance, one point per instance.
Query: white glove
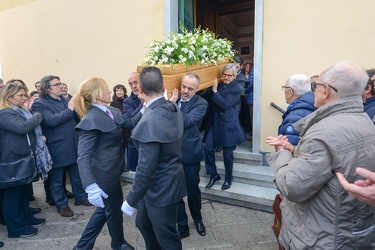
(95, 194)
(127, 209)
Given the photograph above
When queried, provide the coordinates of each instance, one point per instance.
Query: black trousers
(209, 151)
(158, 226)
(16, 209)
(110, 214)
(193, 198)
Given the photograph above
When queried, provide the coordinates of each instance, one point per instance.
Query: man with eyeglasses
(300, 102)
(58, 125)
(317, 213)
(132, 105)
(223, 129)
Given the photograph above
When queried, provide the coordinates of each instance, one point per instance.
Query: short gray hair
(230, 66)
(300, 84)
(348, 78)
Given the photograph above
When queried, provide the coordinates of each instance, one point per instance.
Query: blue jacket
(299, 108)
(192, 115)
(369, 108)
(249, 90)
(228, 131)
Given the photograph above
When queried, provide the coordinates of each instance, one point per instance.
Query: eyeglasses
(133, 83)
(286, 87)
(226, 75)
(314, 84)
(57, 84)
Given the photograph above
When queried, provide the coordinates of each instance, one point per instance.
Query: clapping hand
(280, 142)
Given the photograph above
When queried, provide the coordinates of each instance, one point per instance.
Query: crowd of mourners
(323, 164)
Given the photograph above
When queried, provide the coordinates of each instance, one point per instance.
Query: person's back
(328, 215)
(159, 183)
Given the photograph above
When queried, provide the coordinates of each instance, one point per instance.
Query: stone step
(241, 194)
(258, 197)
(244, 173)
(243, 154)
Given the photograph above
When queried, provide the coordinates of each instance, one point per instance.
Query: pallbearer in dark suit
(159, 183)
(101, 161)
(224, 129)
(193, 108)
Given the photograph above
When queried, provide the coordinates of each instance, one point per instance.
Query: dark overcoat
(58, 127)
(228, 131)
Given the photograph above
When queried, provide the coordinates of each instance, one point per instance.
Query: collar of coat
(350, 104)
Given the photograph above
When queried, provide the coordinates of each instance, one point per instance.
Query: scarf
(42, 156)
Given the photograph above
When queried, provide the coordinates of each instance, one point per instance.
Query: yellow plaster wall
(9, 4)
(78, 39)
(306, 36)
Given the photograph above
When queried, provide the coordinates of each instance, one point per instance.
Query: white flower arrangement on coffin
(189, 48)
(199, 51)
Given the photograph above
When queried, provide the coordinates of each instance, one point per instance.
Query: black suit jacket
(159, 178)
(192, 114)
(100, 155)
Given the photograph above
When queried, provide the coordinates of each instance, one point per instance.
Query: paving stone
(228, 227)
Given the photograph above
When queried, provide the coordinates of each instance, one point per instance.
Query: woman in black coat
(15, 123)
(101, 161)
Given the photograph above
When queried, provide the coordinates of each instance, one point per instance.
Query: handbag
(276, 227)
(19, 172)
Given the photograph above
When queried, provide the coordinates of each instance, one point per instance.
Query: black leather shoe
(201, 229)
(76, 248)
(213, 179)
(37, 222)
(35, 210)
(124, 246)
(1, 244)
(184, 234)
(69, 195)
(50, 201)
(226, 185)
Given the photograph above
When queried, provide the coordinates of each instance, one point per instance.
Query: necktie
(182, 104)
(110, 114)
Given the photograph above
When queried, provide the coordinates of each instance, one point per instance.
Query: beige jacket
(317, 213)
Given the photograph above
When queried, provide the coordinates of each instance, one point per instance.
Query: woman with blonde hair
(17, 127)
(101, 160)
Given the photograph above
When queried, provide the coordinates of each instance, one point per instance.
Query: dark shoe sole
(38, 224)
(27, 235)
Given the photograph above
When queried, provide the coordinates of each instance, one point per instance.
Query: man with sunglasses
(58, 125)
(317, 213)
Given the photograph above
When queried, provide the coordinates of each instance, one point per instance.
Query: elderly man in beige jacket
(338, 137)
